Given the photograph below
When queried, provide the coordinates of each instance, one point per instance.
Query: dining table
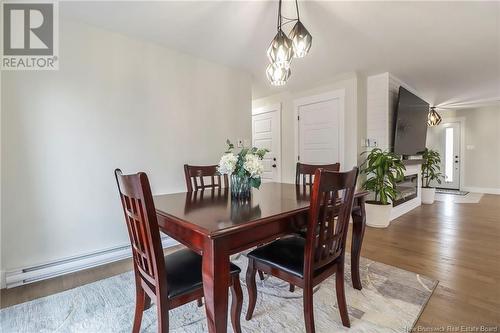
(215, 225)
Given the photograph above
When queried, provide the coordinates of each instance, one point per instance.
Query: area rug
(452, 192)
(391, 301)
(472, 198)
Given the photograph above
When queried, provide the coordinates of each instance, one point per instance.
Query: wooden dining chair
(306, 262)
(169, 281)
(304, 175)
(196, 174)
(305, 172)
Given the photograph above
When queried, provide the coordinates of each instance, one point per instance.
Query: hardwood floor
(457, 244)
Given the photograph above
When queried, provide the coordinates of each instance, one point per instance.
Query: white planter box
(378, 216)
(428, 194)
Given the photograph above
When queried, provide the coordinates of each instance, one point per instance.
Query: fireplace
(407, 189)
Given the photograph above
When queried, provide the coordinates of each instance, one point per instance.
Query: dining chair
(306, 171)
(169, 281)
(306, 262)
(196, 174)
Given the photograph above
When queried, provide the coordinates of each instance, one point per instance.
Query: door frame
(324, 97)
(460, 120)
(265, 109)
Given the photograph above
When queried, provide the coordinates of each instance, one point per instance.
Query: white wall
(115, 102)
(349, 83)
(482, 147)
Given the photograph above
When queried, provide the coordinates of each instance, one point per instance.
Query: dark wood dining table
(216, 226)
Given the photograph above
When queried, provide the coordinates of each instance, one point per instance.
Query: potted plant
(244, 168)
(383, 169)
(431, 168)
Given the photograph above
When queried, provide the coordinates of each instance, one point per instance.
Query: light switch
(470, 147)
(371, 142)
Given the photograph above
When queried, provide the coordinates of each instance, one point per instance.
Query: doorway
(266, 133)
(446, 139)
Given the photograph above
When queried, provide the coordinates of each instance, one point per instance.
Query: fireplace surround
(407, 189)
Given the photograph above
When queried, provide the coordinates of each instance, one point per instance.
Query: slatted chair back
(142, 225)
(331, 203)
(195, 177)
(304, 173)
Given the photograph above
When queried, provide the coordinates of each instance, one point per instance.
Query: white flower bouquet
(245, 169)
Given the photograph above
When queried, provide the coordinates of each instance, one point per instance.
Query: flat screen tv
(410, 124)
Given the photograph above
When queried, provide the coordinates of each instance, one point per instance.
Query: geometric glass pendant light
(433, 118)
(283, 48)
(277, 74)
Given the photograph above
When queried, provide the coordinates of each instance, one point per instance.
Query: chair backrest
(142, 225)
(306, 172)
(194, 177)
(331, 204)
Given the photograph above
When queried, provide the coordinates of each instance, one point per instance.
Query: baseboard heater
(35, 273)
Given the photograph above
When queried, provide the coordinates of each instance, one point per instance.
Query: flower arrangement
(245, 169)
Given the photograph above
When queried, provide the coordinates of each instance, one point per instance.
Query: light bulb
(277, 75)
(301, 40)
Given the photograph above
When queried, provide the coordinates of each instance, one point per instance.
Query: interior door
(445, 138)
(320, 138)
(266, 133)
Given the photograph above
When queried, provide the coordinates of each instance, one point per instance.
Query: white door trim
(272, 108)
(460, 120)
(334, 94)
(267, 108)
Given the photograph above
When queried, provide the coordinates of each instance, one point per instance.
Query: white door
(266, 133)
(445, 138)
(320, 131)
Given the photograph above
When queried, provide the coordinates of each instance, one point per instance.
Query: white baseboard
(52, 269)
(485, 190)
(405, 208)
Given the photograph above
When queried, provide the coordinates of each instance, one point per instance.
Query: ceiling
(448, 51)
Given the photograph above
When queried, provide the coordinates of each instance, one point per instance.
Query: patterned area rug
(391, 301)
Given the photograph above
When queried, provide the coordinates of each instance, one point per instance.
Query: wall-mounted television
(410, 124)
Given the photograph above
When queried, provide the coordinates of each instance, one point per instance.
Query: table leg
(358, 231)
(215, 285)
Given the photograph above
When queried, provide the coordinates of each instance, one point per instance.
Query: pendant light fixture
(301, 38)
(277, 74)
(280, 52)
(283, 48)
(433, 118)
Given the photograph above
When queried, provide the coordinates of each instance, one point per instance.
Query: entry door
(266, 133)
(445, 138)
(320, 132)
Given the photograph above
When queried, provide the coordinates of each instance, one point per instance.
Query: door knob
(274, 159)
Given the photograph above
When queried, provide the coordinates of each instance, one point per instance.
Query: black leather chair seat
(286, 254)
(183, 270)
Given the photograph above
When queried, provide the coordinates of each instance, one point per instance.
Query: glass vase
(240, 187)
